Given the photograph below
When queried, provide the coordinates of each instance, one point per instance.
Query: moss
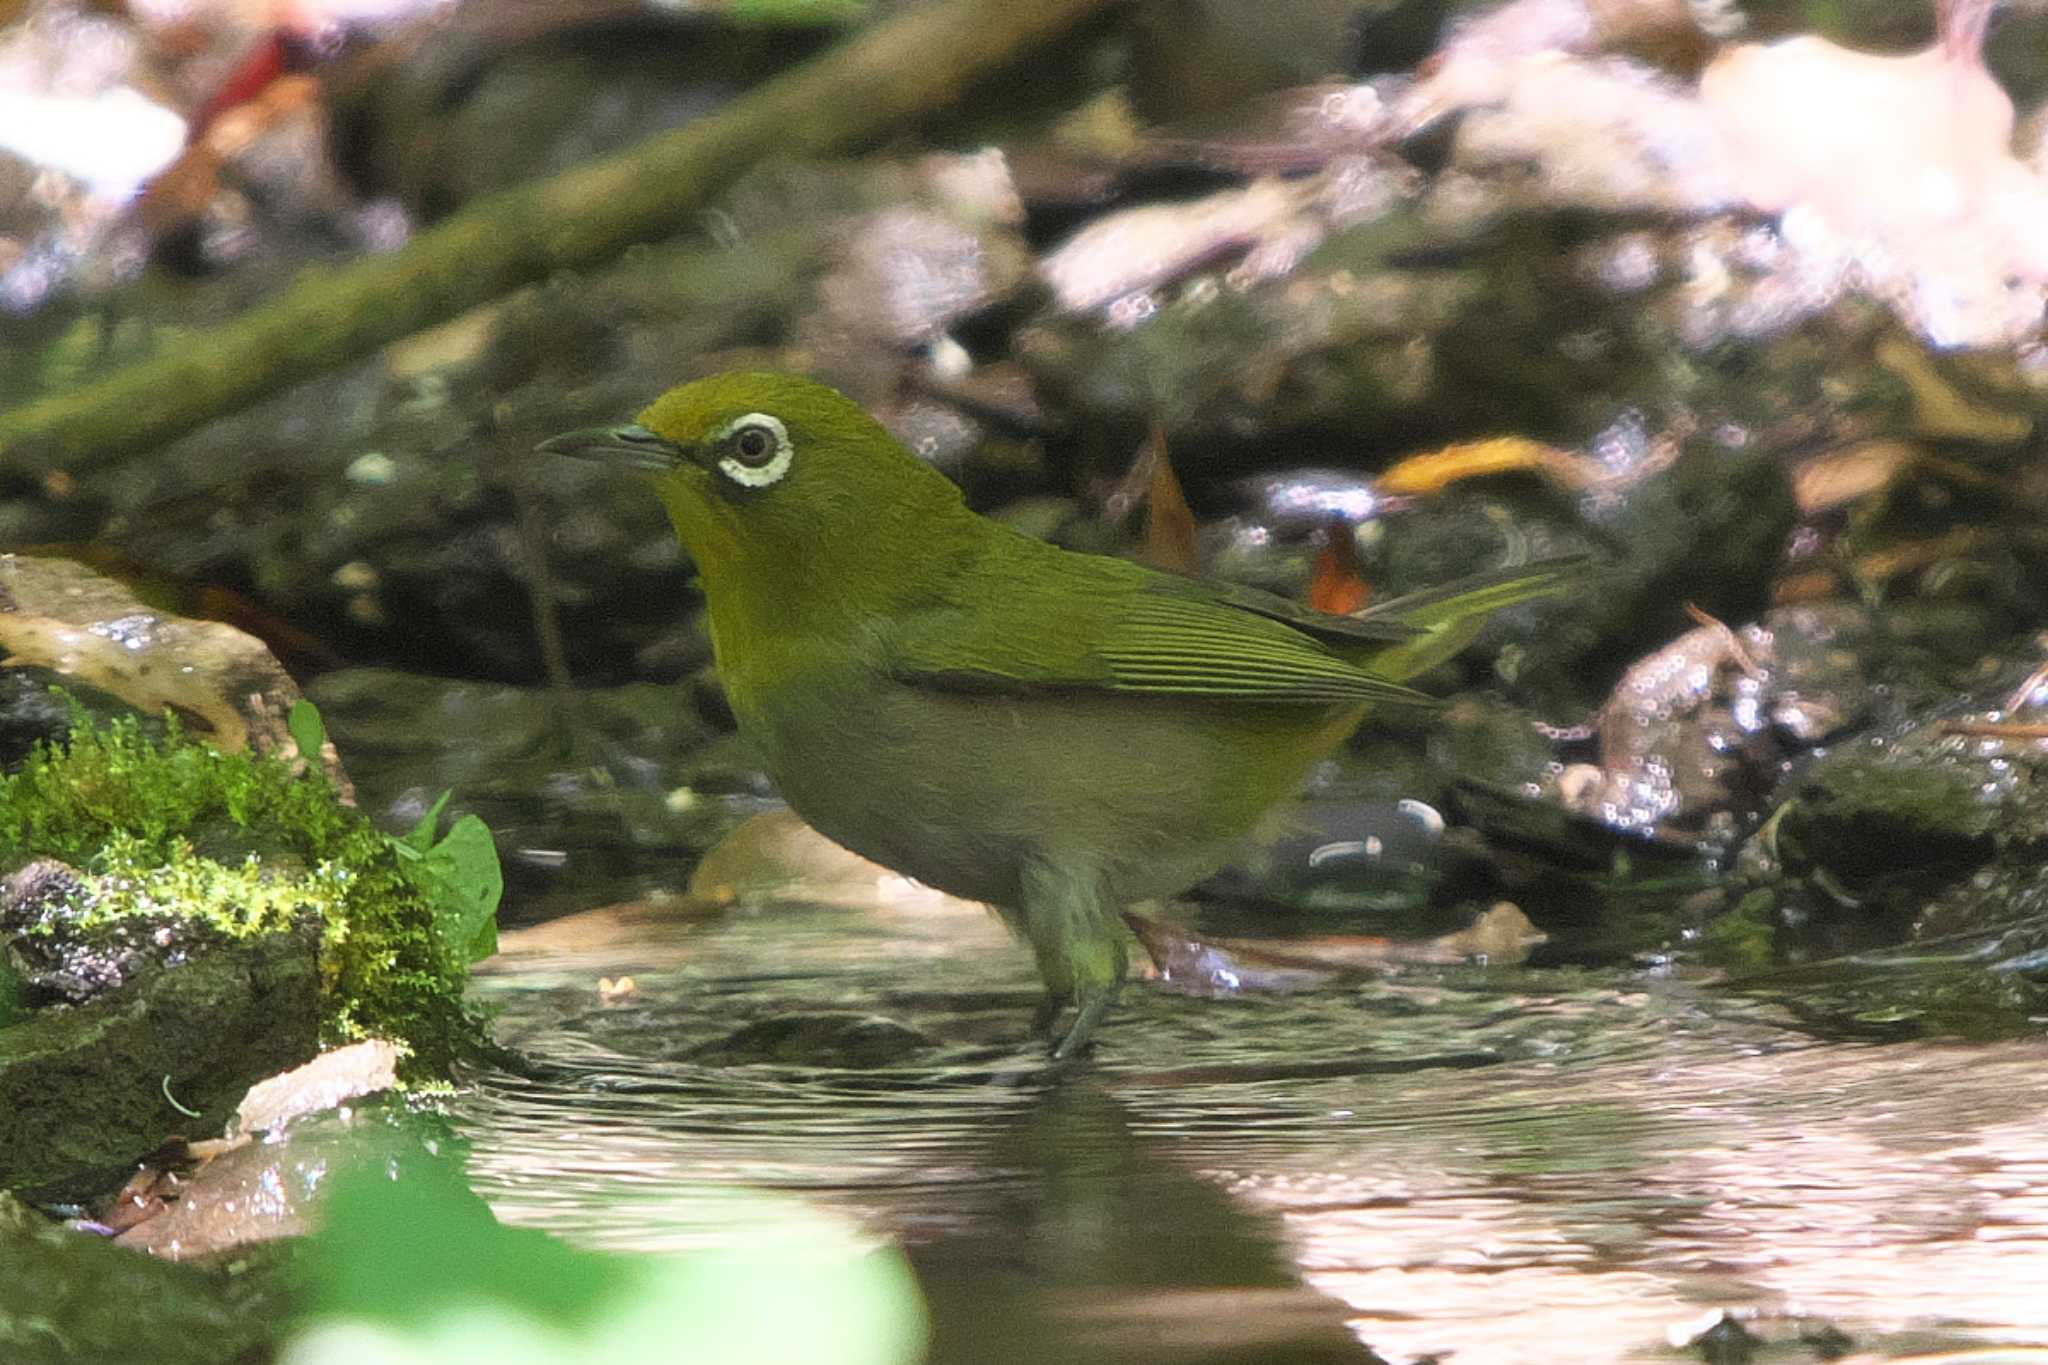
(1745, 938)
(252, 846)
(1888, 828)
(239, 899)
(11, 1007)
(1942, 802)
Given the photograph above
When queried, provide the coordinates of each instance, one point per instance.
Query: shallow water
(1513, 1165)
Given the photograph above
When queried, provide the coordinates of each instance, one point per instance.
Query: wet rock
(909, 274)
(85, 1090)
(1331, 855)
(1957, 255)
(1847, 973)
(1520, 825)
(848, 1041)
(1724, 1342)
(1405, 333)
(1303, 500)
(1706, 530)
(88, 140)
(1603, 133)
(1926, 832)
(1702, 738)
(1124, 254)
(269, 1189)
(1342, 345)
(1698, 733)
(65, 620)
(1551, 123)
(944, 253)
(1126, 267)
(59, 960)
(1546, 125)
(1674, 755)
(1874, 819)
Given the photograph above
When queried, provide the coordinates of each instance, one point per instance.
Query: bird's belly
(962, 792)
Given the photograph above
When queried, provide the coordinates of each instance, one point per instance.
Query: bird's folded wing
(1161, 641)
(1340, 630)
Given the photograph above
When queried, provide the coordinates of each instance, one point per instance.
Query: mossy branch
(875, 81)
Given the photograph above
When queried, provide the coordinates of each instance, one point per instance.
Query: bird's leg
(1049, 1011)
(1073, 928)
(1088, 1015)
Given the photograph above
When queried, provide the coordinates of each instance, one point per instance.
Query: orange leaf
(1438, 469)
(1338, 584)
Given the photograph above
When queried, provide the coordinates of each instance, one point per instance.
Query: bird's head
(779, 485)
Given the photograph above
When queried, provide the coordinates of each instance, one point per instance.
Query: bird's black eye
(754, 450)
(754, 446)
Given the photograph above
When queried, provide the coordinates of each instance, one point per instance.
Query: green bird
(1055, 734)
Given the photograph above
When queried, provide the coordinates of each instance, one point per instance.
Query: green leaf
(462, 879)
(307, 730)
(460, 876)
(422, 837)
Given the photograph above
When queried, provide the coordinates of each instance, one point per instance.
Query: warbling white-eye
(1056, 734)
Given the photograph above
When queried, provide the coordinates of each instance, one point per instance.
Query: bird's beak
(632, 445)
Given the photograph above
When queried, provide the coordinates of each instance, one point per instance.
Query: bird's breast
(961, 792)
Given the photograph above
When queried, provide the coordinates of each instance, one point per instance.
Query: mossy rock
(252, 852)
(1867, 820)
(86, 1090)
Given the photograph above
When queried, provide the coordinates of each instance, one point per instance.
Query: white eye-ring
(755, 450)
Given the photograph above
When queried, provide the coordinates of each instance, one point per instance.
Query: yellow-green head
(788, 495)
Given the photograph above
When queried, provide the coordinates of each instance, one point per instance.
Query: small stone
(850, 1041)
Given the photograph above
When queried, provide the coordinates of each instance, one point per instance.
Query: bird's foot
(1093, 1005)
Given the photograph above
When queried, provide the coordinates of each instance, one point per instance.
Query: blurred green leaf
(797, 11)
(411, 1268)
(308, 732)
(398, 1246)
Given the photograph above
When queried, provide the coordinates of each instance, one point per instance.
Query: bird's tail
(1451, 614)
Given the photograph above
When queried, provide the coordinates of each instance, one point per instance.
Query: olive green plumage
(1057, 734)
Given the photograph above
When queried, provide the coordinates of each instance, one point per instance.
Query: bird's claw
(1081, 1032)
